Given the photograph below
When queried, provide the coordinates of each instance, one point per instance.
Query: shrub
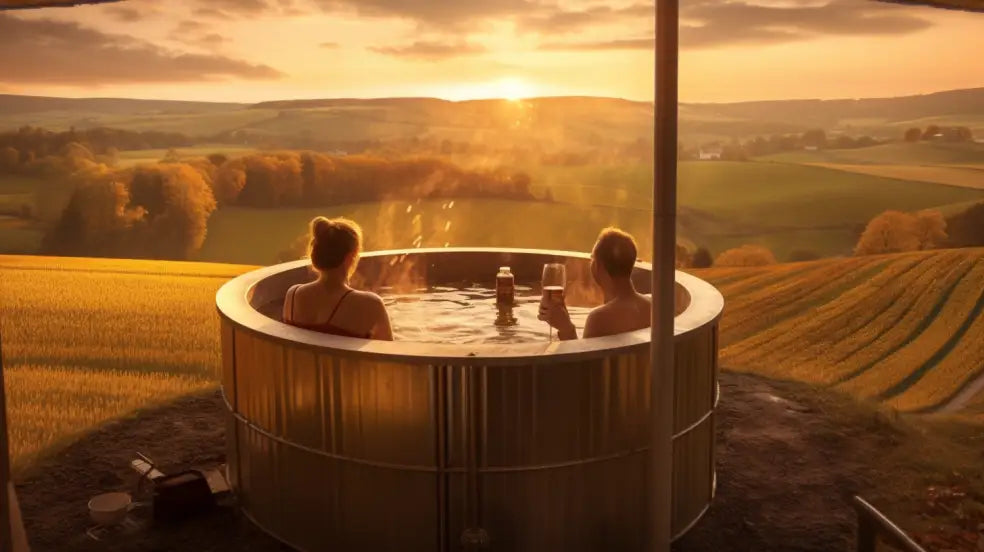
(746, 255)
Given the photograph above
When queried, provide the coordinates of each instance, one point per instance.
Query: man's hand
(555, 313)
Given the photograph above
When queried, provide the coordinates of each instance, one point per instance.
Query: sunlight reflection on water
(468, 316)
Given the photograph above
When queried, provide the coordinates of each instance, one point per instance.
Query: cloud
(125, 13)
(431, 50)
(433, 12)
(189, 26)
(556, 20)
(234, 9)
(622, 44)
(69, 54)
(714, 23)
(329, 45)
(212, 40)
(212, 13)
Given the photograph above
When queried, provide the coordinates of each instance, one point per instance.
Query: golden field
(89, 340)
(906, 330)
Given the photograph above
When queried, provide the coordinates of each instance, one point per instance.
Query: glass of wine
(553, 283)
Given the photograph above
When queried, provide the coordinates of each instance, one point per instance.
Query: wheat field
(906, 330)
(89, 340)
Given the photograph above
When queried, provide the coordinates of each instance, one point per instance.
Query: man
(625, 309)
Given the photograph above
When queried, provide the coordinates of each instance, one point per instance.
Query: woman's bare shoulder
(366, 297)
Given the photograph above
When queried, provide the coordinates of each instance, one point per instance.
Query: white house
(711, 152)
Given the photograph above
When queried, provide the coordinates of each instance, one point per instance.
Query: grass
(88, 340)
(906, 330)
(785, 207)
(897, 153)
(397, 224)
(951, 176)
(136, 157)
(722, 205)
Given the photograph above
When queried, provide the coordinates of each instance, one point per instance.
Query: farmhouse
(710, 152)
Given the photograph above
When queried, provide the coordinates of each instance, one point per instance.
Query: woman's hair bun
(322, 227)
(332, 241)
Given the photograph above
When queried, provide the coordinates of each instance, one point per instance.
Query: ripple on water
(468, 316)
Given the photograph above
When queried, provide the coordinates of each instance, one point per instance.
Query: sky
(256, 50)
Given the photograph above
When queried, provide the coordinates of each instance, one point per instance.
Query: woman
(328, 304)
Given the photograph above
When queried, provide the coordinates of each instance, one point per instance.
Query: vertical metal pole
(663, 286)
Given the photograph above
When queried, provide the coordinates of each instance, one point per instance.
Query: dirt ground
(789, 459)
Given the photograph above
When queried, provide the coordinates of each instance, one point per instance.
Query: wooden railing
(873, 524)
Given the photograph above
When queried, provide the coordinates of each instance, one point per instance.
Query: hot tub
(337, 443)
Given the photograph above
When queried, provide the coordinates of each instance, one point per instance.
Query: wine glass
(553, 283)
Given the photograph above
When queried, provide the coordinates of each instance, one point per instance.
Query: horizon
(487, 99)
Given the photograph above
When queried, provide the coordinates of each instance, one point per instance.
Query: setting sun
(511, 89)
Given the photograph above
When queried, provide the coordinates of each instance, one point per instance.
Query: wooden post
(12, 536)
(664, 266)
(6, 527)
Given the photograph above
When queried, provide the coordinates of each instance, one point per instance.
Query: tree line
(161, 210)
(891, 231)
(304, 179)
(738, 150)
(955, 134)
(22, 147)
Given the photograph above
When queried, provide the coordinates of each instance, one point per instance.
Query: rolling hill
(904, 330)
(575, 121)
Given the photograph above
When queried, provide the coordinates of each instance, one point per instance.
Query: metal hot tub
(340, 444)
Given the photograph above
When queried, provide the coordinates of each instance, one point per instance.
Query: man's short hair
(616, 251)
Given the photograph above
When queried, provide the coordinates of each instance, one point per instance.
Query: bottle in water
(505, 285)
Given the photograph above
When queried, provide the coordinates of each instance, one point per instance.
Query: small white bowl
(109, 508)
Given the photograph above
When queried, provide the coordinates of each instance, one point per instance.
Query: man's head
(613, 257)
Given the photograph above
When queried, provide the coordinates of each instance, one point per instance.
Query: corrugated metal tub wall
(346, 444)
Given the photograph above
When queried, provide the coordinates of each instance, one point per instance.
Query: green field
(255, 236)
(783, 206)
(899, 153)
(137, 157)
(722, 205)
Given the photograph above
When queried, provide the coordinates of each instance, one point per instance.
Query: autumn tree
(930, 229)
(845, 142)
(94, 222)
(930, 132)
(77, 157)
(897, 232)
(172, 156)
(217, 159)
(228, 184)
(178, 203)
(683, 258)
(9, 159)
(702, 258)
(914, 134)
(816, 138)
(746, 255)
(966, 229)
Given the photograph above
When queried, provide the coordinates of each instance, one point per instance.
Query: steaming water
(469, 315)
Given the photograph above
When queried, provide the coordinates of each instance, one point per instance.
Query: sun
(512, 89)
